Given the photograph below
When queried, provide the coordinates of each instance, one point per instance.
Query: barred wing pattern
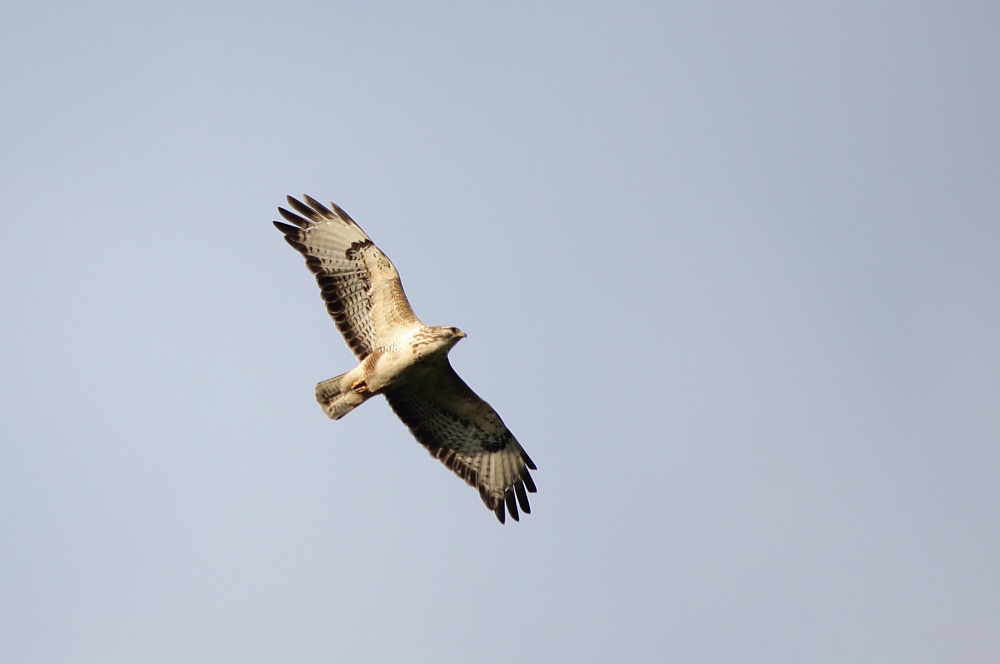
(363, 294)
(468, 436)
(359, 283)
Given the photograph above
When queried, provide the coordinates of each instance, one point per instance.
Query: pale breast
(404, 357)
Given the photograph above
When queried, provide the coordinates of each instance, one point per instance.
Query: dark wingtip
(301, 207)
(511, 500)
(529, 483)
(499, 511)
(316, 205)
(340, 211)
(292, 217)
(527, 460)
(287, 229)
(522, 497)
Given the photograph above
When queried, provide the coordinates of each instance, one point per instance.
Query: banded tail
(337, 398)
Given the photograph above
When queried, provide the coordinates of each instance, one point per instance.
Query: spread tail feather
(337, 398)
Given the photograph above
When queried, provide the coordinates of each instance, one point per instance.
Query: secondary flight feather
(403, 359)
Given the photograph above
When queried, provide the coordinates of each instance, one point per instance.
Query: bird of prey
(403, 359)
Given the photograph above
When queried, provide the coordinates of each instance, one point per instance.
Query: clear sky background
(729, 272)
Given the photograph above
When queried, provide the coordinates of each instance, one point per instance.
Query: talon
(359, 387)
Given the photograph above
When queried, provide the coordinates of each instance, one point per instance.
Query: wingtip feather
(317, 206)
(511, 500)
(529, 483)
(292, 217)
(287, 229)
(302, 208)
(527, 460)
(343, 215)
(522, 497)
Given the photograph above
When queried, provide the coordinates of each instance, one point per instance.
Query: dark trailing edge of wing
(513, 496)
(313, 212)
(329, 290)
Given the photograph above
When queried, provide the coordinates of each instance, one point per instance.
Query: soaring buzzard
(404, 359)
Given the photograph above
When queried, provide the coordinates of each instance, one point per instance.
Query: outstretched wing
(467, 435)
(359, 283)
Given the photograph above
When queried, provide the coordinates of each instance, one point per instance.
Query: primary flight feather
(403, 359)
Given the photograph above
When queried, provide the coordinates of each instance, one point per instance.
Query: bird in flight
(403, 359)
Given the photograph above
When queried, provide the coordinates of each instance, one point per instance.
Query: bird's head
(449, 335)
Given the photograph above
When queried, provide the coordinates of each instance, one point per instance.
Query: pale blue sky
(729, 272)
